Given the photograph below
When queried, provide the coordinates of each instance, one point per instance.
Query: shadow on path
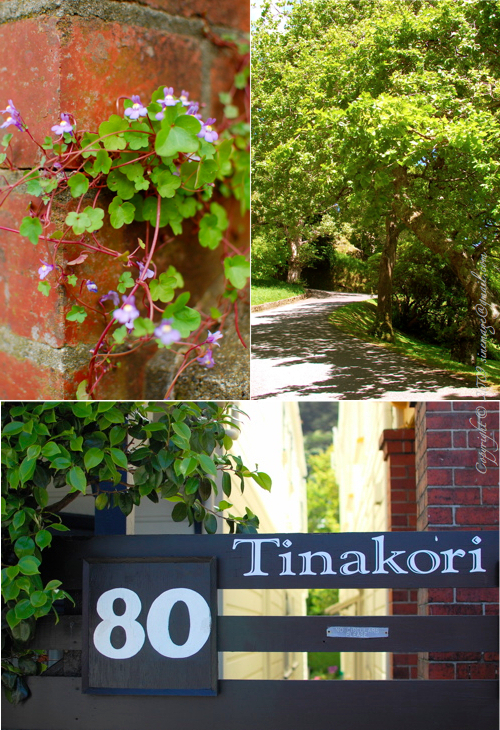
(298, 354)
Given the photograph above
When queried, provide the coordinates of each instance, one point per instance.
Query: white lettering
(448, 559)
(476, 565)
(200, 623)
(380, 561)
(307, 559)
(287, 564)
(256, 544)
(359, 563)
(435, 561)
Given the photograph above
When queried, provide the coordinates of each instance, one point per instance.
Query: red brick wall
(398, 447)
(453, 494)
(81, 63)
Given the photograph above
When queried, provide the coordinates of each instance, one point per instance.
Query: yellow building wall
(363, 502)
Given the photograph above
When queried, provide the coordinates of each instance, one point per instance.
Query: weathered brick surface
(81, 64)
(453, 494)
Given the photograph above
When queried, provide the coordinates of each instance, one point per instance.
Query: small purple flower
(149, 272)
(207, 132)
(169, 97)
(91, 285)
(184, 97)
(111, 295)
(63, 126)
(193, 110)
(212, 338)
(207, 359)
(45, 269)
(127, 312)
(13, 118)
(166, 333)
(137, 109)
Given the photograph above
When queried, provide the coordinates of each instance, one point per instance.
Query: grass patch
(357, 319)
(272, 290)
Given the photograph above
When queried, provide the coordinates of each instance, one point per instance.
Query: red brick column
(398, 446)
(81, 63)
(453, 494)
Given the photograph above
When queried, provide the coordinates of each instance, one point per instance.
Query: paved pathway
(298, 355)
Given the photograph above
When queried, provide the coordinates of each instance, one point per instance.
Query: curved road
(297, 354)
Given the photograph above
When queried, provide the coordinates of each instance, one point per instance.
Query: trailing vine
(181, 455)
(163, 163)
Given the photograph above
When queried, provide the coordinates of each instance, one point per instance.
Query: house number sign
(149, 626)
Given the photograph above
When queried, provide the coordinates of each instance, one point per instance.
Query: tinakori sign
(375, 561)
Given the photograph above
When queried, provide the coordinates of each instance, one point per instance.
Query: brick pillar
(81, 62)
(398, 447)
(453, 494)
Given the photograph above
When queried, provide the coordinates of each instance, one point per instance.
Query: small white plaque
(358, 632)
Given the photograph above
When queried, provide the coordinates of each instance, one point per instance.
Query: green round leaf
(179, 513)
(93, 457)
(28, 565)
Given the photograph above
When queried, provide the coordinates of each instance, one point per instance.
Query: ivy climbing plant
(179, 452)
(162, 163)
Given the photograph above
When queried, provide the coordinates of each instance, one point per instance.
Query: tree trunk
(462, 264)
(294, 266)
(383, 326)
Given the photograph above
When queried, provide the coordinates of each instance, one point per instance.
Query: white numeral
(157, 623)
(134, 632)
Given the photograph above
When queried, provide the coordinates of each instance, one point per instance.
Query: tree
(77, 446)
(390, 110)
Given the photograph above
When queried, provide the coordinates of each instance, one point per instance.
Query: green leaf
(237, 270)
(210, 234)
(28, 565)
(78, 184)
(31, 228)
(114, 124)
(102, 162)
(81, 391)
(120, 213)
(189, 123)
(24, 546)
(263, 480)
(207, 464)
(186, 320)
(6, 139)
(167, 184)
(119, 458)
(120, 334)
(44, 287)
(164, 288)
(226, 484)
(117, 435)
(79, 222)
(101, 501)
(135, 137)
(182, 429)
(23, 609)
(27, 469)
(172, 140)
(121, 185)
(96, 218)
(143, 327)
(92, 458)
(77, 314)
(90, 140)
(43, 538)
(76, 444)
(179, 512)
(77, 479)
(50, 449)
(210, 523)
(38, 598)
(41, 496)
(12, 428)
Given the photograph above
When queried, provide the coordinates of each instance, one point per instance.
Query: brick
(399, 495)
(476, 516)
(490, 656)
(441, 670)
(440, 516)
(490, 495)
(440, 595)
(472, 405)
(471, 477)
(452, 421)
(404, 609)
(491, 609)
(451, 457)
(400, 672)
(439, 477)
(400, 596)
(449, 495)
(438, 439)
(449, 656)
(459, 439)
(477, 595)
(442, 609)
(477, 671)
(436, 406)
(399, 521)
(225, 12)
(410, 659)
